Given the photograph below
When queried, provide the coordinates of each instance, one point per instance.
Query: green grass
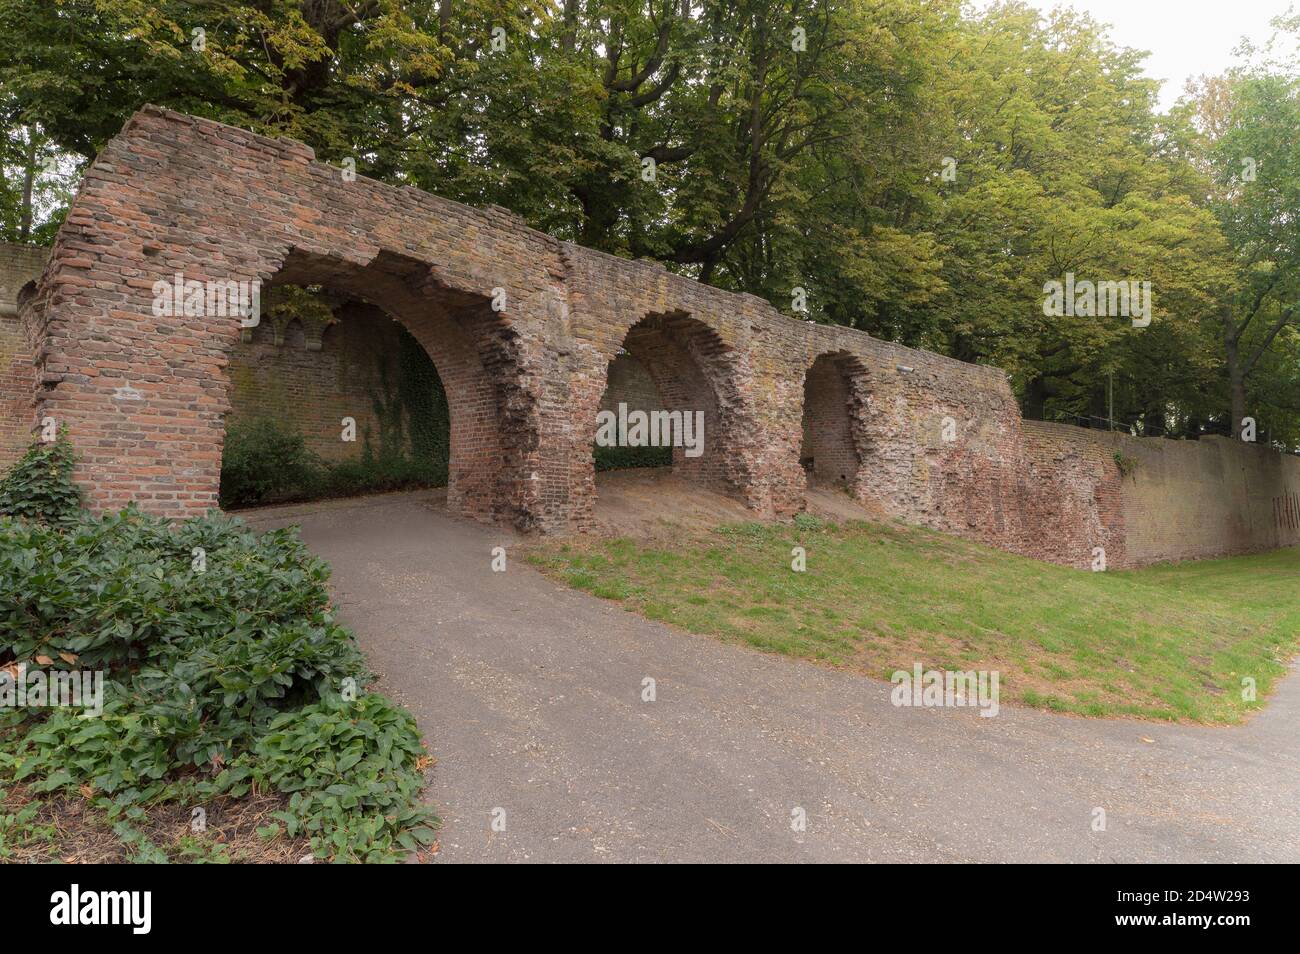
(1166, 642)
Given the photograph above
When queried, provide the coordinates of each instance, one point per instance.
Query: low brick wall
(1180, 500)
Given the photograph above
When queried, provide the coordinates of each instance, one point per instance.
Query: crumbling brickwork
(305, 380)
(19, 268)
(523, 329)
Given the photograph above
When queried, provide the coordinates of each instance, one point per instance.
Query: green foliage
(1127, 465)
(21, 827)
(379, 474)
(1247, 122)
(348, 769)
(218, 648)
(622, 458)
(820, 167)
(40, 487)
(809, 522)
(265, 461)
(421, 395)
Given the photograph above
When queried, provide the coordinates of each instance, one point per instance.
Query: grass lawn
(1165, 642)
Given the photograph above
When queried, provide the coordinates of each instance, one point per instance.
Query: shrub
(346, 766)
(621, 458)
(372, 473)
(39, 486)
(265, 462)
(1127, 465)
(219, 651)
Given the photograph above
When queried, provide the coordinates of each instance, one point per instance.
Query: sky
(1185, 37)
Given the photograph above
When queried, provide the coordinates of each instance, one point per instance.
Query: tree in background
(920, 168)
(1248, 122)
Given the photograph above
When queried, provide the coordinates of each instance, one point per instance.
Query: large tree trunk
(1236, 380)
(29, 179)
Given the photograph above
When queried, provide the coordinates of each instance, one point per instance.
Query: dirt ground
(77, 834)
(654, 504)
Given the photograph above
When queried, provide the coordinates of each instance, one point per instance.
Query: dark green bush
(621, 458)
(39, 486)
(266, 462)
(346, 767)
(377, 474)
(219, 649)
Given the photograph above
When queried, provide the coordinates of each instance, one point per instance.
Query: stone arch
(835, 442)
(693, 369)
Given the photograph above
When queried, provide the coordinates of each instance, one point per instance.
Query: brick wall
(19, 265)
(303, 379)
(1180, 499)
(310, 382)
(527, 333)
(631, 384)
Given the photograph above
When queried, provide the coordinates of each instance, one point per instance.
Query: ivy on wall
(267, 459)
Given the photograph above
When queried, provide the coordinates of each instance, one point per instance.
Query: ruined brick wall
(19, 265)
(145, 395)
(1070, 497)
(524, 331)
(305, 380)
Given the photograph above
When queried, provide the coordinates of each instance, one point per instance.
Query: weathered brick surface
(310, 382)
(1180, 499)
(19, 266)
(305, 380)
(630, 383)
(174, 193)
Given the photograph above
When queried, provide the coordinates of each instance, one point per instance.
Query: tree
(1255, 155)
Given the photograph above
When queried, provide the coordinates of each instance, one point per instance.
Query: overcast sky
(1185, 37)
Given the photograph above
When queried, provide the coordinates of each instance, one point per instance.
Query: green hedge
(623, 458)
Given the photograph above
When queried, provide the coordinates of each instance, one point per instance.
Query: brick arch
(292, 334)
(694, 369)
(836, 443)
(460, 333)
(330, 335)
(143, 395)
